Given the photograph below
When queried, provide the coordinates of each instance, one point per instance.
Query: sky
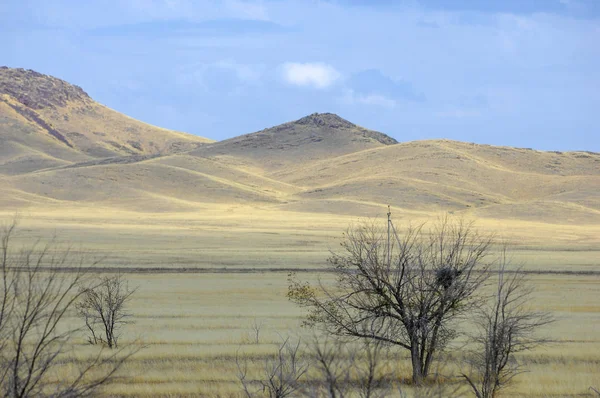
(521, 73)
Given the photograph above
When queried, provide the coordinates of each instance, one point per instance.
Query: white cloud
(317, 75)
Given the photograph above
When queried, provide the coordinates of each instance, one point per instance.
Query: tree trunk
(417, 376)
(431, 348)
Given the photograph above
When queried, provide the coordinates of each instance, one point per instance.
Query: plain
(206, 280)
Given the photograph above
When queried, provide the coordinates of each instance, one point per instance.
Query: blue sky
(521, 73)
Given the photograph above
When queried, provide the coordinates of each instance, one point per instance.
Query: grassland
(195, 308)
(193, 326)
(208, 231)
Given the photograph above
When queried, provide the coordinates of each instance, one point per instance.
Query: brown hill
(441, 175)
(320, 163)
(314, 137)
(47, 122)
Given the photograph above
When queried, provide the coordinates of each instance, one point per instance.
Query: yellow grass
(194, 323)
(279, 200)
(236, 236)
(193, 326)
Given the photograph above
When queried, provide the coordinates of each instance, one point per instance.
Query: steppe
(209, 230)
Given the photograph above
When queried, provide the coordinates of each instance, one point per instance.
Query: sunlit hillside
(59, 147)
(65, 155)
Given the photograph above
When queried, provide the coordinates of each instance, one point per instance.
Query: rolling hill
(61, 148)
(441, 175)
(46, 122)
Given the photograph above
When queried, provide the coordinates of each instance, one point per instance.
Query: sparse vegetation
(35, 301)
(402, 290)
(194, 322)
(506, 327)
(344, 368)
(102, 307)
(281, 375)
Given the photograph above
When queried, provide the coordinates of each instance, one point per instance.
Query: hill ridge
(313, 137)
(38, 91)
(46, 113)
(325, 119)
(319, 163)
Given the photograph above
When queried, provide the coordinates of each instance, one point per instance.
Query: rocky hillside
(37, 91)
(45, 121)
(311, 138)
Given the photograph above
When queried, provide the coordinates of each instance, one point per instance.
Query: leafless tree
(405, 290)
(103, 309)
(256, 329)
(372, 379)
(36, 297)
(281, 375)
(507, 326)
(346, 368)
(363, 369)
(333, 368)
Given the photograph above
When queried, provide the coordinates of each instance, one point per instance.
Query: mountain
(59, 148)
(314, 137)
(47, 122)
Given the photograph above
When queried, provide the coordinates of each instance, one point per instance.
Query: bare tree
(36, 297)
(103, 309)
(346, 368)
(333, 367)
(506, 327)
(404, 290)
(371, 374)
(281, 376)
(256, 329)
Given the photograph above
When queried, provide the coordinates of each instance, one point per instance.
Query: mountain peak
(38, 91)
(330, 120)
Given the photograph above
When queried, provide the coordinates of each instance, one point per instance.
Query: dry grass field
(193, 326)
(206, 278)
(209, 231)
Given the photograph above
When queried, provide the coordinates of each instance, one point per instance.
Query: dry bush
(281, 375)
(507, 326)
(36, 297)
(102, 306)
(346, 368)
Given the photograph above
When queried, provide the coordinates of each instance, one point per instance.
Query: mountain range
(59, 147)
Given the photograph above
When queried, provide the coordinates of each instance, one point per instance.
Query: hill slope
(47, 122)
(313, 137)
(442, 175)
(60, 148)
